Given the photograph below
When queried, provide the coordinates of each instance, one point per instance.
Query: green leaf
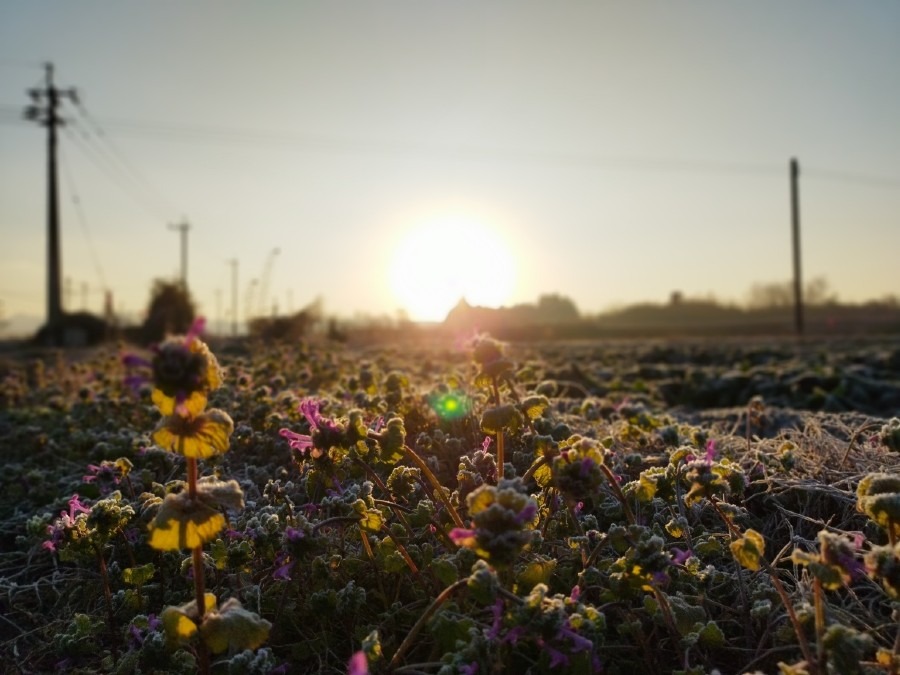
(394, 563)
(534, 406)
(371, 520)
(138, 576)
(180, 622)
(502, 418)
(233, 627)
(749, 549)
(536, 572)
(444, 571)
(483, 583)
(372, 647)
(711, 636)
(391, 440)
(220, 494)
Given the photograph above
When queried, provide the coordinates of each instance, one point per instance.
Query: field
(686, 506)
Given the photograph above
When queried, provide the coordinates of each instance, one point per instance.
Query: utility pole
(44, 111)
(795, 230)
(219, 311)
(234, 296)
(183, 228)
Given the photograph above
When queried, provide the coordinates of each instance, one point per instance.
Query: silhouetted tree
(171, 310)
(781, 294)
(556, 308)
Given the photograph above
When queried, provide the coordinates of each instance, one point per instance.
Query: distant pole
(183, 228)
(234, 296)
(795, 228)
(45, 112)
(218, 311)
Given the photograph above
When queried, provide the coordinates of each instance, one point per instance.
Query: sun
(445, 259)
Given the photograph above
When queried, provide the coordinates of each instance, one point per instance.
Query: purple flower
(579, 642)
(106, 473)
(283, 573)
(486, 443)
(497, 610)
(586, 465)
(679, 557)
(471, 669)
(513, 635)
(527, 513)
(575, 594)
(293, 535)
(557, 658)
(359, 664)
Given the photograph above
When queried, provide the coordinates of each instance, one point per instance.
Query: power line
(96, 157)
(76, 201)
(107, 141)
(856, 178)
(258, 138)
(205, 134)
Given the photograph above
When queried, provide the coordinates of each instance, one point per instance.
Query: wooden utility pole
(45, 111)
(183, 228)
(795, 229)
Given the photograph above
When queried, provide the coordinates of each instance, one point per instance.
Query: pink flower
(64, 522)
(359, 664)
(710, 451)
(462, 537)
(309, 408)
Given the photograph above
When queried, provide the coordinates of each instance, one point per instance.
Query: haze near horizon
(399, 156)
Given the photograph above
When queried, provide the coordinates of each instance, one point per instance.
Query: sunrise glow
(442, 260)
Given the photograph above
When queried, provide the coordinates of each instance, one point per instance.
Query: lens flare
(450, 406)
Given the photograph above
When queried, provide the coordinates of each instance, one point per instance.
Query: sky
(394, 155)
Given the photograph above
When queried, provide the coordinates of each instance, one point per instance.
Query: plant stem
(401, 549)
(438, 488)
(666, 610)
(500, 457)
(197, 560)
(107, 595)
(614, 484)
(368, 548)
(370, 472)
(199, 582)
(534, 467)
(192, 474)
(414, 631)
(819, 601)
(779, 587)
(335, 520)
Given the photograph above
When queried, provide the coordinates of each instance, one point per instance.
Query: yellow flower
(184, 371)
(200, 436)
(183, 524)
